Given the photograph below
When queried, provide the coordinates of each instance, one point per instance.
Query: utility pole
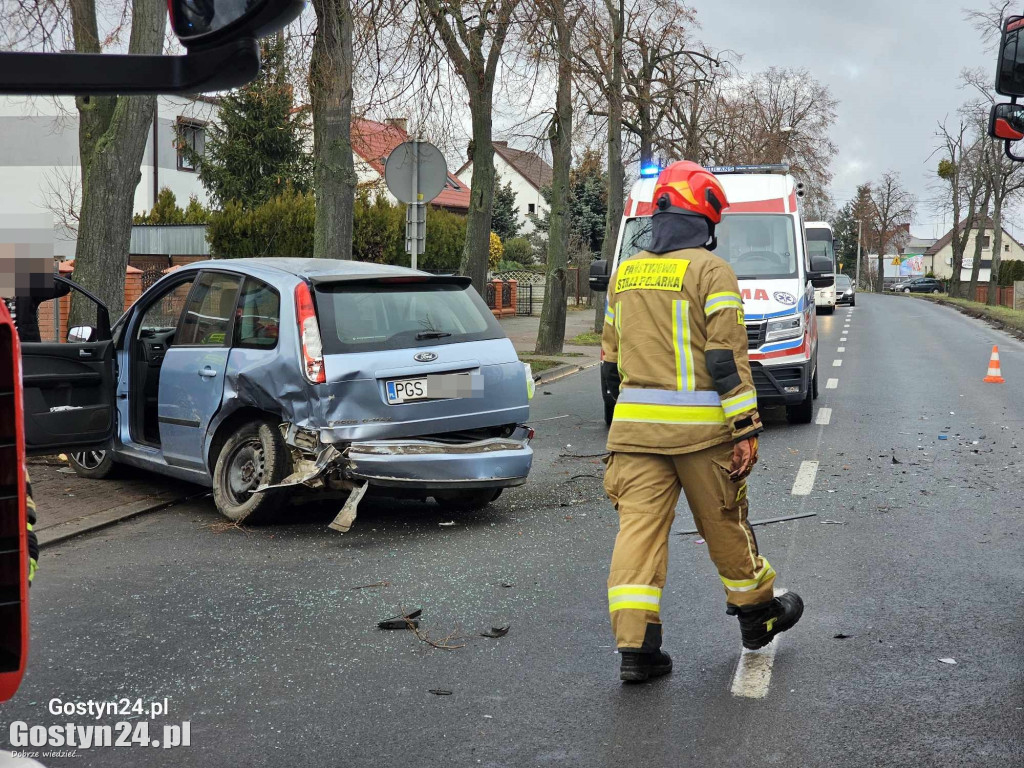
(860, 226)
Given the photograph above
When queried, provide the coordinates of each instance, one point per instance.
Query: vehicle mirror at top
(205, 21)
(1010, 71)
(1006, 121)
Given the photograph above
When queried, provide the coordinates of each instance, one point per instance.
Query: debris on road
(943, 437)
(507, 584)
(497, 631)
(833, 522)
(841, 636)
(784, 519)
(439, 692)
(402, 621)
(343, 522)
(374, 585)
(699, 541)
(445, 525)
(948, 661)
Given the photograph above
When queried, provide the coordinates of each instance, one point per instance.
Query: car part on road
(497, 631)
(770, 520)
(96, 465)
(253, 456)
(343, 522)
(403, 621)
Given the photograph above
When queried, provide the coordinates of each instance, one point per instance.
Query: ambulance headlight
(785, 328)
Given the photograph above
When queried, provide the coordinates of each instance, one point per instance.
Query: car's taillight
(309, 332)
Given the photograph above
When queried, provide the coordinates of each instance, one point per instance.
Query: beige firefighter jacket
(674, 325)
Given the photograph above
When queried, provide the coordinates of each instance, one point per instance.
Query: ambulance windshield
(755, 244)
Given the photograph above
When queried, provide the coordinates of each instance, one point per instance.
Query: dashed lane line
(836, 363)
(841, 349)
(754, 672)
(832, 384)
(842, 338)
(804, 483)
(824, 416)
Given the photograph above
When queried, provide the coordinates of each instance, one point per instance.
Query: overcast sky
(894, 66)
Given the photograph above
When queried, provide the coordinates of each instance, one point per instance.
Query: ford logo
(785, 298)
(425, 357)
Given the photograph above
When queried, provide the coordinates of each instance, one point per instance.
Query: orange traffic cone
(995, 375)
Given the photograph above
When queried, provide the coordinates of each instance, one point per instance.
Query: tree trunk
(997, 250)
(972, 291)
(112, 139)
(476, 254)
(551, 335)
(616, 170)
(334, 175)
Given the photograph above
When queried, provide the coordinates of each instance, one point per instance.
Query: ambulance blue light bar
(726, 169)
(649, 171)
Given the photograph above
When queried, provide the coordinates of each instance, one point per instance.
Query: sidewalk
(67, 505)
(523, 333)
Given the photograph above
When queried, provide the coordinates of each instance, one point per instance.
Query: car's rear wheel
(935, 291)
(254, 455)
(95, 465)
(467, 501)
(906, 290)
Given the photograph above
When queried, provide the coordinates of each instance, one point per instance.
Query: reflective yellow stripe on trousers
(640, 597)
(749, 585)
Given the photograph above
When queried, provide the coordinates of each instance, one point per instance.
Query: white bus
(820, 242)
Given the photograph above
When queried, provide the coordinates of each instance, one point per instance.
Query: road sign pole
(860, 227)
(414, 206)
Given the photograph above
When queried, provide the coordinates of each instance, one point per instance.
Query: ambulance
(762, 238)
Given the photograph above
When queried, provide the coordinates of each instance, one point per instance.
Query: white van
(762, 238)
(821, 242)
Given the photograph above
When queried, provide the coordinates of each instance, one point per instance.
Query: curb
(64, 531)
(561, 372)
(991, 321)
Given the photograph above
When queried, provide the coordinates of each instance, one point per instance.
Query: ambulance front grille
(755, 334)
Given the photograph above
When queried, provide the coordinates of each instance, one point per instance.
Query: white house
(526, 171)
(940, 255)
(40, 169)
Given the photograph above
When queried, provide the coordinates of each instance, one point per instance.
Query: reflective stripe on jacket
(674, 325)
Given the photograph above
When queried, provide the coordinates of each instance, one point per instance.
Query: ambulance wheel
(803, 412)
(609, 411)
(96, 465)
(814, 384)
(254, 455)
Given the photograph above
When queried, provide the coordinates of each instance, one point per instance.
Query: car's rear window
(360, 317)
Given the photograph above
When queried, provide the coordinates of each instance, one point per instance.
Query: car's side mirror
(822, 273)
(220, 37)
(1010, 68)
(1006, 121)
(81, 333)
(599, 275)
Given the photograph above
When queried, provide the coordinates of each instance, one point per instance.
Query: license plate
(438, 387)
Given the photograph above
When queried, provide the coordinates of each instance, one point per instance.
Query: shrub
(518, 249)
(378, 231)
(283, 226)
(446, 239)
(497, 251)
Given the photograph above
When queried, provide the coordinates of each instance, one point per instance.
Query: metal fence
(524, 300)
(489, 296)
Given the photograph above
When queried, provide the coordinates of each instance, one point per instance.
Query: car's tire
(255, 454)
(853, 302)
(609, 411)
(814, 384)
(467, 501)
(906, 290)
(802, 412)
(96, 465)
(936, 292)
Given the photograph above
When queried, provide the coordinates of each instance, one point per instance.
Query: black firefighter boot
(641, 664)
(759, 624)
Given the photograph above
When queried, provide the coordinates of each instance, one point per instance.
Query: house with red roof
(527, 172)
(372, 142)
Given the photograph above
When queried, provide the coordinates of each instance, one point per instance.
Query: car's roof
(340, 269)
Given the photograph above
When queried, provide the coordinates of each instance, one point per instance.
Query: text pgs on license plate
(435, 387)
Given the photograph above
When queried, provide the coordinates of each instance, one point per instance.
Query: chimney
(401, 123)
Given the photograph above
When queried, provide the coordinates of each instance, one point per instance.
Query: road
(263, 641)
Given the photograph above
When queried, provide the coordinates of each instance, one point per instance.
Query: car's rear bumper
(428, 464)
(844, 299)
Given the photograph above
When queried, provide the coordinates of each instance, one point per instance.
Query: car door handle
(207, 372)
(85, 353)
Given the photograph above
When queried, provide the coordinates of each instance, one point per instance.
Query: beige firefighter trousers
(644, 488)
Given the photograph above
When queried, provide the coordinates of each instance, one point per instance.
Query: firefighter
(686, 420)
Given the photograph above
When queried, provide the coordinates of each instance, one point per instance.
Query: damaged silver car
(264, 377)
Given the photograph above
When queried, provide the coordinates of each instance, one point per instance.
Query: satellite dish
(416, 172)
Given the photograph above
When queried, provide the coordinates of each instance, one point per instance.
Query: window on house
(451, 184)
(531, 208)
(986, 241)
(1006, 248)
(191, 143)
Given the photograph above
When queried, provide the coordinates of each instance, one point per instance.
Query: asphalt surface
(262, 640)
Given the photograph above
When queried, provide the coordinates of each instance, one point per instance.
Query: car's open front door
(69, 387)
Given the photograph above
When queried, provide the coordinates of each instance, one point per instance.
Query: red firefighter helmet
(689, 188)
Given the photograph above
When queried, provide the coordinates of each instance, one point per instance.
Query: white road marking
(832, 384)
(804, 483)
(754, 672)
(841, 349)
(824, 416)
(836, 363)
(842, 338)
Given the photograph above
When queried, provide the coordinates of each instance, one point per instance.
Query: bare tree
(63, 198)
(892, 208)
(559, 18)
(330, 85)
(473, 34)
(112, 132)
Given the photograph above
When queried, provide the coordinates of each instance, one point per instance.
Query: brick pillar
(497, 297)
(515, 295)
(1018, 294)
(132, 287)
